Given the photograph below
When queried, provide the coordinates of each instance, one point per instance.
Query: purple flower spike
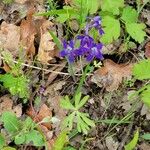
(95, 52)
(68, 51)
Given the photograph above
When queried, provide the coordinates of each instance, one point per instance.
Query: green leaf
(131, 145)
(111, 29)
(82, 102)
(145, 96)
(135, 30)
(77, 99)
(141, 70)
(56, 40)
(2, 141)
(68, 121)
(129, 15)
(93, 5)
(20, 139)
(11, 123)
(35, 137)
(60, 141)
(87, 120)
(66, 104)
(8, 148)
(112, 6)
(146, 136)
(16, 85)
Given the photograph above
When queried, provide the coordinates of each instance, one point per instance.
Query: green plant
(143, 74)
(21, 132)
(116, 15)
(17, 85)
(15, 81)
(132, 144)
(7, 1)
(81, 119)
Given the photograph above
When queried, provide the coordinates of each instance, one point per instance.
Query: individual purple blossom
(94, 23)
(85, 42)
(95, 52)
(68, 50)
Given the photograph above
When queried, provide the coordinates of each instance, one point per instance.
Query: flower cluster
(88, 48)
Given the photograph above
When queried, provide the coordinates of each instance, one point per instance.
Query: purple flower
(85, 42)
(95, 52)
(94, 23)
(68, 50)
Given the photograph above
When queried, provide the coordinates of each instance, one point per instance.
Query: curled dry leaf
(28, 32)
(10, 38)
(111, 75)
(147, 50)
(47, 48)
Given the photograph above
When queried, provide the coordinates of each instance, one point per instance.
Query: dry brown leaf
(28, 32)
(147, 50)
(47, 48)
(10, 38)
(111, 75)
(6, 104)
(144, 146)
(43, 112)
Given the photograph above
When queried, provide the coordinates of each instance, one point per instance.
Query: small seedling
(81, 119)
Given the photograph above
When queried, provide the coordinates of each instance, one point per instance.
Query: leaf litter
(30, 34)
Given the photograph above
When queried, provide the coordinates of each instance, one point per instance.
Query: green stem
(82, 79)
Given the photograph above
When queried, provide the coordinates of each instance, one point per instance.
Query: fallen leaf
(10, 38)
(6, 104)
(44, 112)
(28, 32)
(47, 48)
(147, 50)
(111, 75)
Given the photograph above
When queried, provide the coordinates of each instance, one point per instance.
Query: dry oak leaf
(111, 75)
(47, 48)
(44, 111)
(147, 50)
(10, 38)
(28, 32)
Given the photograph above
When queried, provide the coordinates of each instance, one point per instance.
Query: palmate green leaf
(66, 104)
(145, 96)
(141, 70)
(35, 137)
(60, 141)
(111, 29)
(10, 121)
(135, 30)
(82, 102)
(68, 121)
(2, 141)
(129, 15)
(88, 121)
(81, 125)
(77, 99)
(131, 145)
(112, 6)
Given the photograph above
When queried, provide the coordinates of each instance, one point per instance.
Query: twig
(42, 69)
